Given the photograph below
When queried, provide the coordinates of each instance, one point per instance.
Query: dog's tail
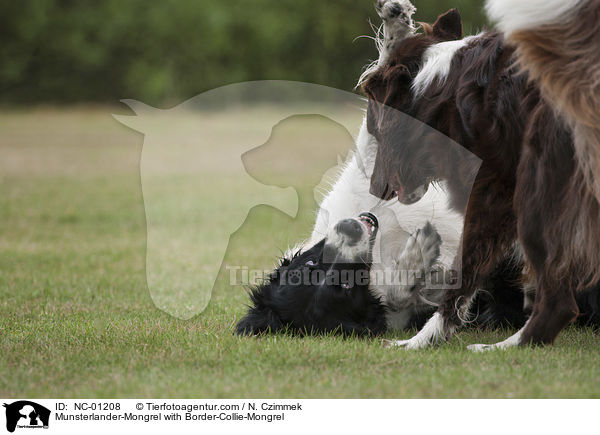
(558, 44)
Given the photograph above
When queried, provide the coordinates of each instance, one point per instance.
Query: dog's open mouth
(370, 222)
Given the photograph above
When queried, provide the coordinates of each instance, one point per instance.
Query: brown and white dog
(535, 125)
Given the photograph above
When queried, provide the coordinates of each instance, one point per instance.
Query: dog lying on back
(327, 288)
(539, 142)
(328, 284)
(333, 282)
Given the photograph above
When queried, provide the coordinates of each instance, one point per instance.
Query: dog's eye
(311, 263)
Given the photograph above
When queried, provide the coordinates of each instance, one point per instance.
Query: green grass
(77, 320)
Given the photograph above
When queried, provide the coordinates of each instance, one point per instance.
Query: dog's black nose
(350, 228)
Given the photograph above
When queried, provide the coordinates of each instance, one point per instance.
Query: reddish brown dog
(535, 185)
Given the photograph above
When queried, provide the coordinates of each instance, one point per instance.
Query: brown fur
(564, 60)
(530, 186)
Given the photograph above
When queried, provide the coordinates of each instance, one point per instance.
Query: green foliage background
(165, 51)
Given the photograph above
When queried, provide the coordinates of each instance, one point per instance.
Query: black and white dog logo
(26, 414)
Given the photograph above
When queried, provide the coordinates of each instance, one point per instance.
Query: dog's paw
(394, 343)
(395, 10)
(405, 344)
(429, 242)
(509, 342)
(423, 246)
(478, 348)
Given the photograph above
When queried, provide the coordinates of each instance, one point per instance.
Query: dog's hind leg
(555, 305)
(552, 311)
(554, 308)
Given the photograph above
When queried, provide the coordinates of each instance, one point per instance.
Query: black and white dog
(327, 288)
(360, 272)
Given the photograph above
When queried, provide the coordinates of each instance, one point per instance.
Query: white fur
(432, 333)
(436, 64)
(350, 196)
(349, 252)
(405, 262)
(514, 15)
(393, 30)
(513, 340)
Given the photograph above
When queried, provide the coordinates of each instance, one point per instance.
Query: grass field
(77, 320)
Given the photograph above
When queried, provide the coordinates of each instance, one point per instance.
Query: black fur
(281, 305)
(308, 308)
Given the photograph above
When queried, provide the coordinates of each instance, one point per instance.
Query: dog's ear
(448, 26)
(385, 89)
(427, 28)
(383, 85)
(261, 316)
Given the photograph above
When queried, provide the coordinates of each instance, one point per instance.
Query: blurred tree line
(163, 52)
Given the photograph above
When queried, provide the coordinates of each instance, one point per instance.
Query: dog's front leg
(488, 233)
